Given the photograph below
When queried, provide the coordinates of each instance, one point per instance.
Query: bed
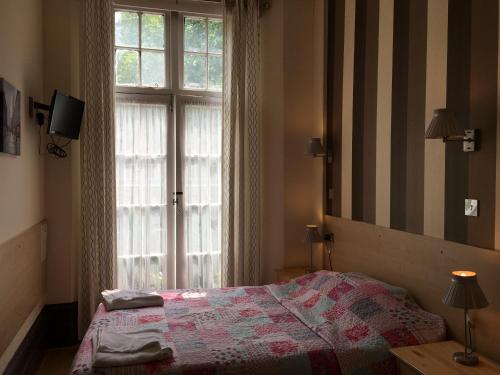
(321, 323)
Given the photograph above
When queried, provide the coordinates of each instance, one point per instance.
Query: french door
(168, 163)
(168, 84)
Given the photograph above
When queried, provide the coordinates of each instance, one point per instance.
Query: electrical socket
(329, 237)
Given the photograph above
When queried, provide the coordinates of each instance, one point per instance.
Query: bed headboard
(422, 265)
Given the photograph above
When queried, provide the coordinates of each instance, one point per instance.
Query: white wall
(21, 63)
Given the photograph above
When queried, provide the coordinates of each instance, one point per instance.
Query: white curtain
(141, 174)
(97, 255)
(241, 145)
(201, 182)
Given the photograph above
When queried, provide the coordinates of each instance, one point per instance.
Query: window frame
(182, 51)
(174, 45)
(166, 49)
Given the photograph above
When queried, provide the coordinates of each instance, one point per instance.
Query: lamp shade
(443, 125)
(465, 292)
(312, 235)
(315, 148)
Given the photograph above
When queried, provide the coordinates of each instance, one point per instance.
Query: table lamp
(312, 236)
(465, 293)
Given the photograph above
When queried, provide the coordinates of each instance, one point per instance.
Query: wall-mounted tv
(65, 115)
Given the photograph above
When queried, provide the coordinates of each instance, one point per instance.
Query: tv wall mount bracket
(36, 106)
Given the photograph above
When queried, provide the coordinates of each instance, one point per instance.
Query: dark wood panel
(399, 113)
(365, 110)
(358, 116)
(334, 69)
(483, 115)
(457, 101)
(370, 111)
(415, 122)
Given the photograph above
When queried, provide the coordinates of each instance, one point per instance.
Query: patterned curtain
(97, 254)
(241, 145)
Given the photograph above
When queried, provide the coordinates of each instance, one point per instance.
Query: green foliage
(195, 34)
(215, 36)
(153, 31)
(127, 67)
(127, 29)
(215, 72)
(194, 71)
(153, 69)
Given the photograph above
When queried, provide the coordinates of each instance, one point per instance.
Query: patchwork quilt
(321, 323)
(219, 331)
(360, 317)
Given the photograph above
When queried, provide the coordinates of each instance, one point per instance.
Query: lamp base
(466, 360)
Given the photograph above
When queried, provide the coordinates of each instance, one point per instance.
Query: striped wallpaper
(390, 63)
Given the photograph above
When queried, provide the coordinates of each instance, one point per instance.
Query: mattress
(322, 323)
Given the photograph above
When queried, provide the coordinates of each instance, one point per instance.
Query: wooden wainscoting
(22, 288)
(422, 265)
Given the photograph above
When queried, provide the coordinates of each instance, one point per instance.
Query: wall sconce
(444, 126)
(316, 149)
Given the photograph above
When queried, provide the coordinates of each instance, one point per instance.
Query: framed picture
(10, 118)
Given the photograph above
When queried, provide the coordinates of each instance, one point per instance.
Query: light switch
(471, 207)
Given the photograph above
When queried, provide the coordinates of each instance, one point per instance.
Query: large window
(202, 53)
(140, 49)
(168, 76)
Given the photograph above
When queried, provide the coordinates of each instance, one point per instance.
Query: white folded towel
(130, 299)
(113, 348)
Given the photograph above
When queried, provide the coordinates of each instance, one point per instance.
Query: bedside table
(286, 274)
(436, 359)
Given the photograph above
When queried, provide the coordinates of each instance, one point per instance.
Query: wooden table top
(437, 359)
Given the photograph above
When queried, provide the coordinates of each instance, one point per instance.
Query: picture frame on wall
(10, 118)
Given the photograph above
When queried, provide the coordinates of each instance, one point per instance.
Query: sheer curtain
(141, 175)
(200, 157)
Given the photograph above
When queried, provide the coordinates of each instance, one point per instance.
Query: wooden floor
(57, 361)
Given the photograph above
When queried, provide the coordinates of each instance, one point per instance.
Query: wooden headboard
(422, 265)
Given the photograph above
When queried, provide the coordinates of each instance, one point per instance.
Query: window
(140, 49)
(168, 77)
(202, 53)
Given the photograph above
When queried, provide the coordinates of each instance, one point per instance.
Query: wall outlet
(471, 207)
(43, 241)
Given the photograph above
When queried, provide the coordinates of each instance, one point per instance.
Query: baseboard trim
(11, 350)
(25, 352)
(48, 326)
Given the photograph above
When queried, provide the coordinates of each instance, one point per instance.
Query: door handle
(176, 195)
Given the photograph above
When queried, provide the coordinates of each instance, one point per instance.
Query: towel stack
(113, 348)
(130, 299)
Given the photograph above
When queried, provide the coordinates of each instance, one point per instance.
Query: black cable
(40, 141)
(57, 150)
(329, 246)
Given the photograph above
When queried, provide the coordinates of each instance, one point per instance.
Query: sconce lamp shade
(315, 148)
(443, 126)
(465, 292)
(312, 234)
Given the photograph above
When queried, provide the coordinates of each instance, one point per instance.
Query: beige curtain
(97, 263)
(241, 145)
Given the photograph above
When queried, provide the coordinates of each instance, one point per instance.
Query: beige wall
(62, 175)
(22, 177)
(21, 63)
(292, 109)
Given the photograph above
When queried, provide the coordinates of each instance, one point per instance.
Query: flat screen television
(65, 115)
